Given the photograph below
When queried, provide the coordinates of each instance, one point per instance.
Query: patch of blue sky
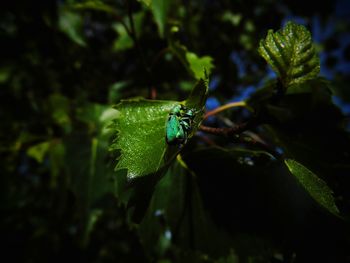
(321, 32)
(269, 75)
(212, 103)
(236, 58)
(296, 19)
(214, 82)
(343, 106)
(243, 93)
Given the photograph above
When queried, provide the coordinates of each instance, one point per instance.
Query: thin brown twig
(227, 132)
(236, 134)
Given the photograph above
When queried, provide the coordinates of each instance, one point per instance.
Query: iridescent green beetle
(179, 125)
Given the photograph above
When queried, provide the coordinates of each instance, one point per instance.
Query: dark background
(61, 69)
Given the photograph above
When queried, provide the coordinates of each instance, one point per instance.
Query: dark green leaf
(95, 5)
(60, 107)
(160, 10)
(315, 186)
(86, 153)
(176, 216)
(146, 2)
(71, 24)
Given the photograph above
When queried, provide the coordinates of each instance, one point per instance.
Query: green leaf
(95, 5)
(39, 151)
(199, 65)
(141, 136)
(71, 24)
(315, 186)
(176, 216)
(198, 96)
(146, 2)
(160, 10)
(86, 160)
(291, 54)
(140, 126)
(60, 107)
(123, 41)
(5, 73)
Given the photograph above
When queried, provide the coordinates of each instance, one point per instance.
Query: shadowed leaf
(315, 186)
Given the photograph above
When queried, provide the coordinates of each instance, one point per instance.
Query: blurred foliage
(277, 192)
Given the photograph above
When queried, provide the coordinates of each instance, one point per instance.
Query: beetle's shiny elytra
(179, 125)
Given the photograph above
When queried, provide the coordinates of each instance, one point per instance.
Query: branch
(235, 133)
(227, 132)
(228, 106)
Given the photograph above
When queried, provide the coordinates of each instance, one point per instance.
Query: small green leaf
(5, 73)
(146, 2)
(71, 24)
(59, 107)
(141, 126)
(199, 64)
(123, 41)
(160, 10)
(315, 186)
(291, 54)
(39, 151)
(95, 5)
(198, 67)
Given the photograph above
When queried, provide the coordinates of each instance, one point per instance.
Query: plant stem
(227, 132)
(227, 106)
(235, 133)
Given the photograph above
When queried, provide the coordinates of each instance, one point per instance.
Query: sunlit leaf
(291, 54)
(39, 151)
(199, 64)
(315, 186)
(196, 66)
(140, 126)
